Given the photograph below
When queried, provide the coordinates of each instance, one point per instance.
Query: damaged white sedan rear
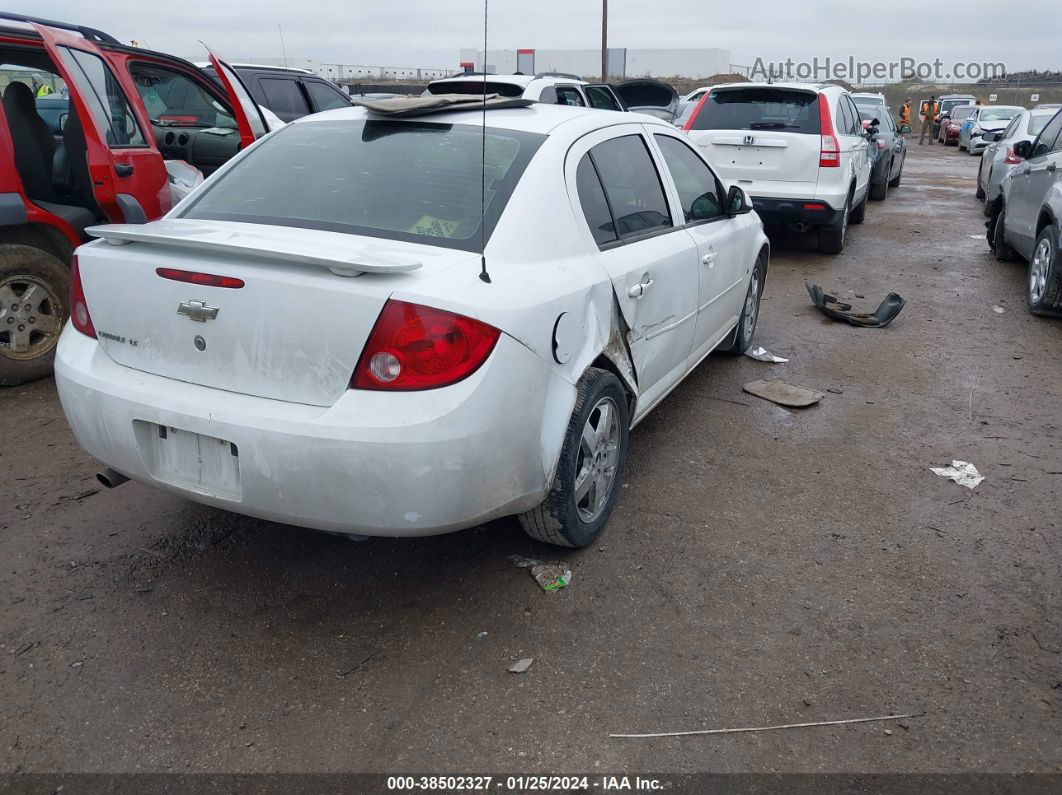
(360, 326)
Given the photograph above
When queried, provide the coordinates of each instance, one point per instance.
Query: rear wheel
(895, 181)
(998, 239)
(34, 305)
(860, 212)
(1044, 294)
(590, 470)
(980, 192)
(741, 337)
(831, 241)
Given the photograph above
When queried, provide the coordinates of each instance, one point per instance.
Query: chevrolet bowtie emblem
(197, 311)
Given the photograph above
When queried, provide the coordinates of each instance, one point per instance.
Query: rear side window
(846, 118)
(284, 97)
(632, 186)
(594, 204)
(1037, 123)
(760, 109)
(326, 97)
(100, 90)
(401, 180)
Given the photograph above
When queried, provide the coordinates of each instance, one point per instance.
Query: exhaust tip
(111, 479)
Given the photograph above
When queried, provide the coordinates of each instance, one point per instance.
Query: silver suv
(1029, 223)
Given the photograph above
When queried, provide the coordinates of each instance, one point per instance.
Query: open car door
(116, 167)
(248, 115)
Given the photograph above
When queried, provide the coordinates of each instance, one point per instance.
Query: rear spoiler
(345, 259)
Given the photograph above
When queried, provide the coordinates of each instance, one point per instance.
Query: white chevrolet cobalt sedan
(401, 326)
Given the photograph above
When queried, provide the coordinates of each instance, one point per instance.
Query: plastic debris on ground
(183, 178)
(834, 307)
(998, 310)
(764, 355)
(962, 472)
(550, 575)
(783, 394)
(521, 666)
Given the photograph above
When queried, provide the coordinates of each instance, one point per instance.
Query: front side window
(284, 97)
(600, 98)
(173, 99)
(401, 180)
(99, 89)
(569, 95)
(325, 96)
(632, 185)
(697, 187)
(1045, 141)
(781, 109)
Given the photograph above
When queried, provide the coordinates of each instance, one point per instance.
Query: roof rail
(89, 33)
(559, 74)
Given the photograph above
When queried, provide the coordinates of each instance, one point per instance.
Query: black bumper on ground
(803, 214)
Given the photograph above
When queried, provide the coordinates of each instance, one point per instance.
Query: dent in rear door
(248, 116)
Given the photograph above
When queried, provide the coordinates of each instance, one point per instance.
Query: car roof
(535, 118)
(816, 87)
(264, 67)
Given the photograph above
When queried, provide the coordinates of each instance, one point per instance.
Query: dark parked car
(888, 149)
(289, 93)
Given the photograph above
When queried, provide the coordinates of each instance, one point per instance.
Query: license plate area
(188, 460)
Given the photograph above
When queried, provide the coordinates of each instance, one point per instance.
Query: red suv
(128, 111)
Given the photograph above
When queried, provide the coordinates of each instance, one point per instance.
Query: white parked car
(799, 149)
(550, 89)
(310, 338)
(868, 98)
(984, 119)
(999, 156)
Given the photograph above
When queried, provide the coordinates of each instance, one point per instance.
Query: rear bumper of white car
(375, 463)
(806, 205)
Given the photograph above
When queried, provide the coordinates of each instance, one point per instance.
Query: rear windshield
(402, 180)
(760, 109)
(962, 112)
(476, 87)
(999, 114)
(948, 104)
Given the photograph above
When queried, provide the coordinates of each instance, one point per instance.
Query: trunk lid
(649, 96)
(760, 133)
(292, 332)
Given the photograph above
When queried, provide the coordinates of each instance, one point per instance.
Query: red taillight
(1012, 159)
(830, 151)
(194, 277)
(79, 313)
(418, 347)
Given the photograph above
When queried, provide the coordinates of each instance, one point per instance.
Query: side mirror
(1023, 149)
(704, 207)
(875, 123)
(736, 203)
(990, 136)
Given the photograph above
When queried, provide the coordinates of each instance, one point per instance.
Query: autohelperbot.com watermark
(853, 70)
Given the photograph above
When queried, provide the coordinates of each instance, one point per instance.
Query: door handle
(640, 289)
(709, 259)
(1026, 171)
(1051, 166)
(123, 169)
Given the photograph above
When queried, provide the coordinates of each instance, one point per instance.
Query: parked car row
(802, 152)
(1026, 209)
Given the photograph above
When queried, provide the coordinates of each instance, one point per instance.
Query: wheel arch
(39, 236)
(1045, 218)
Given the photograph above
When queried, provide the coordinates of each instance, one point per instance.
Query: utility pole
(604, 41)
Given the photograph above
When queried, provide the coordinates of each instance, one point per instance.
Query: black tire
(559, 519)
(741, 337)
(878, 191)
(831, 241)
(30, 331)
(859, 214)
(1043, 289)
(895, 181)
(980, 192)
(1004, 251)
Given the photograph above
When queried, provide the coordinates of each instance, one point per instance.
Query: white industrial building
(623, 62)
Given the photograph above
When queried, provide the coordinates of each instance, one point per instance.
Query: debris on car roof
(437, 103)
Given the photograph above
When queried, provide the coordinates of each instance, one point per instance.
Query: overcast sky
(430, 34)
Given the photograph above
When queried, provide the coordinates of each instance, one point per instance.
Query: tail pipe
(111, 479)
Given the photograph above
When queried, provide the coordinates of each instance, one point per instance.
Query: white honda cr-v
(798, 149)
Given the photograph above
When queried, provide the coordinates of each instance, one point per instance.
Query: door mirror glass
(736, 203)
(1023, 148)
(990, 136)
(704, 207)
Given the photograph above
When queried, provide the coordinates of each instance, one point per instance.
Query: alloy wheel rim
(752, 306)
(596, 463)
(31, 317)
(1038, 271)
